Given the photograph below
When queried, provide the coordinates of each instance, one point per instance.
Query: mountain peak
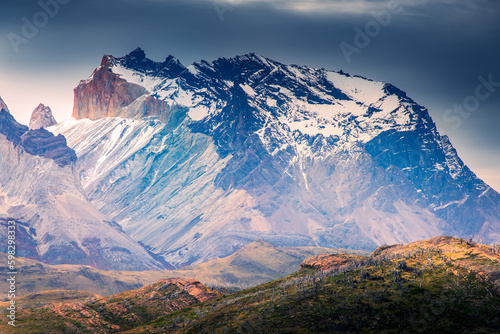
(41, 118)
(137, 61)
(138, 54)
(249, 61)
(3, 105)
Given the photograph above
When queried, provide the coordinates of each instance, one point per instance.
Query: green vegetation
(416, 291)
(443, 285)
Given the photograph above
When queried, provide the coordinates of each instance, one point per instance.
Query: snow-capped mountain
(197, 161)
(56, 224)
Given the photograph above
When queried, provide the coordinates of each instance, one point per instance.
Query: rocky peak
(36, 142)
(118, 88)
(138, 54)
(137, 61)
(41, 118)
(3, 105)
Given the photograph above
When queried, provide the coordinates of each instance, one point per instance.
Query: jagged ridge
(247, 148)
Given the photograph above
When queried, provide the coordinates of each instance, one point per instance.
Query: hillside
(112, 314)
(254, 264)
(441, 285)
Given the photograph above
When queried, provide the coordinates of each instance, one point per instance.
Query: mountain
(195, 162)
(41, 118)
(55, 222)
(440, 285)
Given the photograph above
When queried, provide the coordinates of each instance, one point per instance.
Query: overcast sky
(444, 53)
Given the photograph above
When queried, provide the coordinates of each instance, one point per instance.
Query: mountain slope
(425, 287)
(204, 159)
(441, 285)
(56, 223)
(111, 314)
(253, 264)
(256, 263)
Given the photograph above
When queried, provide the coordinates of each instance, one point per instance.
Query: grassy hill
(441, 285)
(257, 263)
(254, 264)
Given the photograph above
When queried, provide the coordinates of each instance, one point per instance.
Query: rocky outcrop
(108, 94)
(43, 143)
(10, 128)
(41, 118)
(105, 94)
(36, 142)
(189, 285)
(328, 261)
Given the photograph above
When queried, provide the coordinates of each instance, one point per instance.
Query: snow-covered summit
(282, 99)
(197, 161)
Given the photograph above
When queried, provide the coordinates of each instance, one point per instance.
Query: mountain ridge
(244, 148)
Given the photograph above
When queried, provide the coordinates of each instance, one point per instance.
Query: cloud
(320, 6)
(355, 7)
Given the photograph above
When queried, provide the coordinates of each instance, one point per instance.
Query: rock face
(12, 130)
(43, 143)
(250, 148)
(107, 94)
(56, 224)
(41, 118)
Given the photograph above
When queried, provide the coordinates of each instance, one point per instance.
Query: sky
(444, 53)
